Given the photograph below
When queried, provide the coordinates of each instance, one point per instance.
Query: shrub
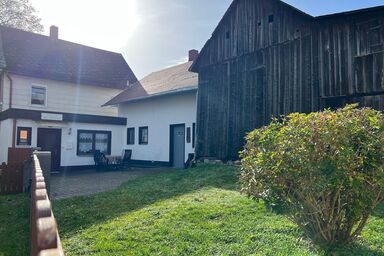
(327, 169)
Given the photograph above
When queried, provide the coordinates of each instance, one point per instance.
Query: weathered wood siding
(265, 60)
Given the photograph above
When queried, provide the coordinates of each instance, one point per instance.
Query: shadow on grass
(354, 250)
(81, 212)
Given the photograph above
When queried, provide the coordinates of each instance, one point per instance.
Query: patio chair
(100, 159)
(126, 158)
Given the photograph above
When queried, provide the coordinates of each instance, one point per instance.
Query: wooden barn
(267, 58)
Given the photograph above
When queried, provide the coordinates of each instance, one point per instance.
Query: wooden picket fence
(11, 174)
(44, 239)
(11, 179)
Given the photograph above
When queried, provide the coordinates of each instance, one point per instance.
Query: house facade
(161, 116)
(51, 93)
(267, 58)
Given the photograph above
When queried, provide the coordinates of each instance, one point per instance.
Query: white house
(51, 92)
(161, 113)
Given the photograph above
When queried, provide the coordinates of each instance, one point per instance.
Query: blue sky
(153, 34)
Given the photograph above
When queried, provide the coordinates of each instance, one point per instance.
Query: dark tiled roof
(172, 80)
(40, 56)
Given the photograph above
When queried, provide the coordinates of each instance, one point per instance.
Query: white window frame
(46, 96)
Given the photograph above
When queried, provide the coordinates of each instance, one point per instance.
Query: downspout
(10, 106)
(1, 90)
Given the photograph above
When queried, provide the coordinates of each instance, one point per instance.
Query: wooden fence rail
(45, 239)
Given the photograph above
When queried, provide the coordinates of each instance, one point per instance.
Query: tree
(20, 14)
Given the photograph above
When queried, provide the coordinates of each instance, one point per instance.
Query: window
(193, 134)
(89, 141)
(227, 34)
(270, 18)
(24, 136)
(130, 136)
(143, 135)
(39, 96)
(188, 134)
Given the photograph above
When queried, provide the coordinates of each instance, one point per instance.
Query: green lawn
(192, 212)
(14, 225)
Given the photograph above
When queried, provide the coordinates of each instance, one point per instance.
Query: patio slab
(90, 181)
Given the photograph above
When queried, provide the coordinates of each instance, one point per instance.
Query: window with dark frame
(24, 136)
(38, 95)
(193, 134)
(131, 136)
(188, 134)
(89, 141)
(143, 135)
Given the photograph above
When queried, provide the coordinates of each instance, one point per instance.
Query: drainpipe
(10, 106)
(10, 89)
(1, 90)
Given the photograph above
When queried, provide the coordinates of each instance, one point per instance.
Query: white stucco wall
(69, 155)
(158, 114)
(61, 96)
(5, 139)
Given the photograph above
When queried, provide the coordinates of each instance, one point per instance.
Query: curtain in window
(85, 142)
(101, 142)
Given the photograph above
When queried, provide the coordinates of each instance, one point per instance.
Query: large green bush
(326, 168)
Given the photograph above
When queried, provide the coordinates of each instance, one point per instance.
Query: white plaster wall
(158, 114)
(61, 96)
(69, 155)
(5, 139)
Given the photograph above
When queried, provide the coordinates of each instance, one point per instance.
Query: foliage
(19, 14)
(326, 168)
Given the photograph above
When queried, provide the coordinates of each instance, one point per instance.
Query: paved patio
(90, 182)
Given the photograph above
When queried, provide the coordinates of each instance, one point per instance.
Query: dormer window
(39, 96)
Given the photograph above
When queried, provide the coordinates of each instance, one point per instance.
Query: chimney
(54, 32)
(193, 55)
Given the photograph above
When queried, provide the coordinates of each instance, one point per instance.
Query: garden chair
(100, 159)
(126, 158)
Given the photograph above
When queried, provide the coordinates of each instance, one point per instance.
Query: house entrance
(50, 140)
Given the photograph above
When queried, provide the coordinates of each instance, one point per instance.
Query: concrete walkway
(91, 182)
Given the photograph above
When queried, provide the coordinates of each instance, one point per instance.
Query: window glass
(38, 96)
(143, 135)
(101, 142)
(89, 141)
(85, 143)
(131, 136)
(24, 135)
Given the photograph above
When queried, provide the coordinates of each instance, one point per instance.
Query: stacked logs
(45, 240)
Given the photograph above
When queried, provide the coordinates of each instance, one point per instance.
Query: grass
(14, 225)
(192, 212)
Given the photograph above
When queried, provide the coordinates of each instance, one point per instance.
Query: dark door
(177, 145)
(50, 140)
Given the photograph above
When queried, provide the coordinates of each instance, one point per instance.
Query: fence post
(44, 239)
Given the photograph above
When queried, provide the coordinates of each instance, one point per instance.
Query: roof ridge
(60, 40)
(165, 69)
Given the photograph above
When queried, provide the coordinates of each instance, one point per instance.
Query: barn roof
(40, 56)
(322, 17)
(173, 80)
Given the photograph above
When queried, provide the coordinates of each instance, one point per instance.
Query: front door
(177, 145)
(50, 140)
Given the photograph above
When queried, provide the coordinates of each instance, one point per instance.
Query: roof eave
(157, 95)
